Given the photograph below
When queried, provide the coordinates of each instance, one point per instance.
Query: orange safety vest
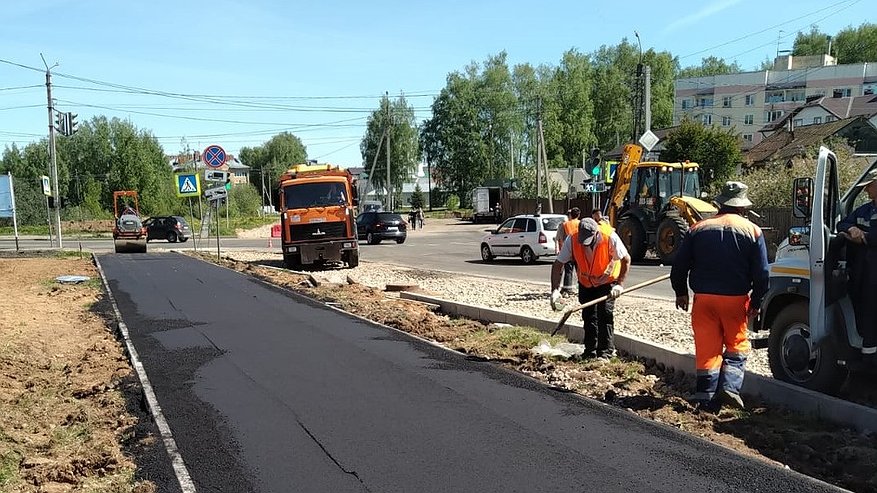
(606, 228)
(603, 267)
(570, 226)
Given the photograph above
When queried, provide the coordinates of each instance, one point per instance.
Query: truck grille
(318, 231)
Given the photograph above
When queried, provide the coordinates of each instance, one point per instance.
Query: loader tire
(633, 235)
(670, 234)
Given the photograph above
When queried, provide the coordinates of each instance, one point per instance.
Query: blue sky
(317, 69)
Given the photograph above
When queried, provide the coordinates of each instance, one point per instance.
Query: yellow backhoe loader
(652, 203)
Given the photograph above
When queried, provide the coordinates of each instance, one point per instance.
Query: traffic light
(61, 123)
(71, 123)
(595, 164)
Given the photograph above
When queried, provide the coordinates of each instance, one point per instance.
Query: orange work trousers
(721, 342)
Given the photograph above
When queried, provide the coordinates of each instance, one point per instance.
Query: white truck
(813, 339)
(485, 204)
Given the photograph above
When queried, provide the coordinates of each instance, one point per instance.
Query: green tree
(107, 155)
(451, 138)
(397, 118)
(813, 43)
(271, 159)
(569, 111)
(857, 45)
(850, 45)
(710, 65)
(26, 166)
(416, 199)
(716, 150)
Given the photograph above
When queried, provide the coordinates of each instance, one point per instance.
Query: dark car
(374, 227)
(170, 228)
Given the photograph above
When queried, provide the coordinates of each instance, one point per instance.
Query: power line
(771, 28)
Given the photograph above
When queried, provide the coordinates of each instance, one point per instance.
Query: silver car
(526, 236)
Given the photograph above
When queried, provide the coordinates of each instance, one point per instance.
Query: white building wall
(754, 88)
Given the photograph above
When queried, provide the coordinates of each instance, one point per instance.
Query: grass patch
(9, 467)
(506, 342)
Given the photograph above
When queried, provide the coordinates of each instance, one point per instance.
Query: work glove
(616, 291)
(555, 297)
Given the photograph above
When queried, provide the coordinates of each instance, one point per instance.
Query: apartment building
(751, 101)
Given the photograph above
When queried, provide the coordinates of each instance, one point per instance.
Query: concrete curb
(797, 399)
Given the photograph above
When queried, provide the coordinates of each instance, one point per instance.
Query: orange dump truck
(317, 218)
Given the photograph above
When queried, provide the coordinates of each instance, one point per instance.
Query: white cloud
(703, 13)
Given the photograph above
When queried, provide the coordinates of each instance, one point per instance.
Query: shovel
(601, 299)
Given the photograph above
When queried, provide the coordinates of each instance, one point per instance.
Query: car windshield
(552, 223)
(305, 195)
(182, 221)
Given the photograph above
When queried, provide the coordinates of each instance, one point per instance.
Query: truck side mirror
(802, 197)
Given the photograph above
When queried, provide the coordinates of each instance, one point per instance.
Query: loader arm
(630, 157)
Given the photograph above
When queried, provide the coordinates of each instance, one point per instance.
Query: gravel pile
(651, 319)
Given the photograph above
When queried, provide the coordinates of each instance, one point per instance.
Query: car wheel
(486, 254)
(527, 255)
(790, 357)
(400, 240)
(171, 237)
(371, 239)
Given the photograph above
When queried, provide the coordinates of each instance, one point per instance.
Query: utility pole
(389, 179)
(538, 149)
(647, 99)
(545, 163)
(53, 172)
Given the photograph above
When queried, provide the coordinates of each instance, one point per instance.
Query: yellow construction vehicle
(652, 203)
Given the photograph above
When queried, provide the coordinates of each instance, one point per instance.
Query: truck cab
(316, 206)
(813, 340)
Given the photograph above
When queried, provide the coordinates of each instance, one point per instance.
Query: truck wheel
(670, 233)
(292, 261)
(352, 258)
(633, 235)
(789, 353)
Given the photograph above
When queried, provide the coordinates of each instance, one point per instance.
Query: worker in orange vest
(602, 263)
(567, 228)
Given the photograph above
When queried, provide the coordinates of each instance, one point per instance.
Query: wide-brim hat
(869, 177)
(734, 195)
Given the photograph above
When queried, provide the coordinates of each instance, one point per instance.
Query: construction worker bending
(602, 263)
(723, 258)
(859, 229)
(567, 228)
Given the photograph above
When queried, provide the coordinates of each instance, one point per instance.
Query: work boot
(711, 406)
(730, 399)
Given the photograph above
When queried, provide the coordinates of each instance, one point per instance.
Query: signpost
(188, 184)
(214, 156)
(47, 191)
(216, 175)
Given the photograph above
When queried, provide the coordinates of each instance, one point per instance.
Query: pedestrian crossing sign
(188, 185)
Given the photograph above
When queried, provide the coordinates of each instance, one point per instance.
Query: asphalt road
(265, 391)
(447, 245)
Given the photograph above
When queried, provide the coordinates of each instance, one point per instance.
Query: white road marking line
(167, 437)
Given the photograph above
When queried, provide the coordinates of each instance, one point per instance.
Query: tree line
(483, 126)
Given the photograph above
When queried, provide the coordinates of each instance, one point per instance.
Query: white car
(526, 236)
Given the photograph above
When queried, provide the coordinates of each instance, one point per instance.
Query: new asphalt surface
(266, 391)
